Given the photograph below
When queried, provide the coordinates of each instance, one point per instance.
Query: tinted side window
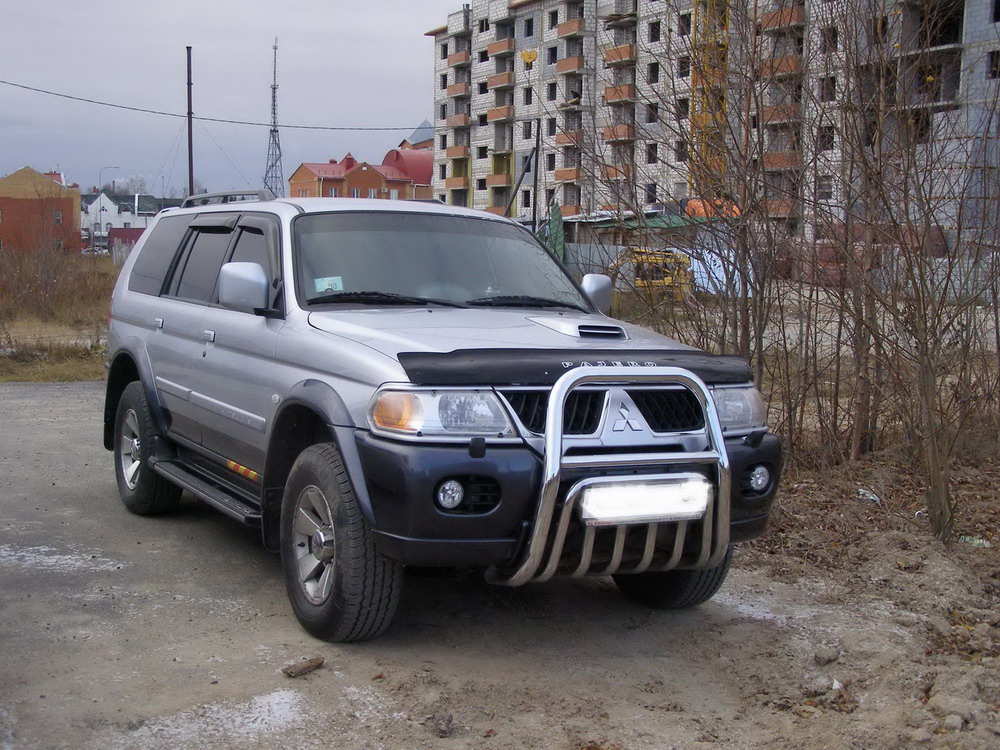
(202, 268)
(157, 254)
(251, 247)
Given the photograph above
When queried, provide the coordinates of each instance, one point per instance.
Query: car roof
(329, 205)
(326, 205)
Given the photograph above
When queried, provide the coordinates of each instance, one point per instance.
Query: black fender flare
(140, 359)
(320, 398)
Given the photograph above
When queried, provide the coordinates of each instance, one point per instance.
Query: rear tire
(675, 589)
(340, 587)
(143, 491)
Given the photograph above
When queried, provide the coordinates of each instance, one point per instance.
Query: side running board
(206, 492)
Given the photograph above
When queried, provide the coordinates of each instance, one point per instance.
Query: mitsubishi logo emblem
(633, 424)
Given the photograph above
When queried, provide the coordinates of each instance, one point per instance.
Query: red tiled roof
(416, 164)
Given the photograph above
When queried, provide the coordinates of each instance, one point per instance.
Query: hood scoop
(577, 330)
(591, 331)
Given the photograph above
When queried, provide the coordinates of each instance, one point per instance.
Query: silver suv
(376, 384)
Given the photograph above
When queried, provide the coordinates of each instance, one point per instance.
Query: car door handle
(208, 335)
(158, 322)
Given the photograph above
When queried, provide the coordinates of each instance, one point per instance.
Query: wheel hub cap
(321, 544)
(314, 544)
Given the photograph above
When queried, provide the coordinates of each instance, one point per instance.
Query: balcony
(779, 113)
(624, 93)
(612, 172)
(568, 174)
(501, 47)
(500, 114)
(781, 209)
(457, 152)
(456, 183)
(501, 80)
(619, 133)
(458, 121)
(571, 28)
(623, 54)
(570, 210)
(788, 65)
(571, 138)
(776, 161)
(569, 65)
(459, 58)
(458, 89)
(783, 18)
(497, 180)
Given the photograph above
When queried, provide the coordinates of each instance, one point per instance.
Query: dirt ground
(845, 627)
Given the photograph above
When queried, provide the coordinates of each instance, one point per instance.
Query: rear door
(188, 310)
(146, 311)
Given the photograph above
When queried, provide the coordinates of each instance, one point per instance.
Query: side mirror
(597, 287)
(243, 286)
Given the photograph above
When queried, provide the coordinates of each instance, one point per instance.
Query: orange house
(404, 174)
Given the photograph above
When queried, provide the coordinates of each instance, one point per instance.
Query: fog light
(450, 494)
(760, 478)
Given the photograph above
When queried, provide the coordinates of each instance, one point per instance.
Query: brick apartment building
(628, 94)
(38, 212)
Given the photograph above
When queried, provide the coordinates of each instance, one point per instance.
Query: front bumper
(403, 477)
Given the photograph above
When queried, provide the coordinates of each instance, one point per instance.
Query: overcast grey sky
(339, 63)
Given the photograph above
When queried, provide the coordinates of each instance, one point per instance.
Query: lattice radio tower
(273, 178)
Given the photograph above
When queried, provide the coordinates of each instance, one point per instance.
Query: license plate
(682, 497)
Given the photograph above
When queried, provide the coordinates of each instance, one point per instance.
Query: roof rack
(229, 196)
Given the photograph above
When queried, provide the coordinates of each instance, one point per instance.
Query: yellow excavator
(668, 271)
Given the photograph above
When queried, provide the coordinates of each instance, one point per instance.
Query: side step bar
(217, 498)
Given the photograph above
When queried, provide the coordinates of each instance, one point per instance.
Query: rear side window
(197, 281)
(157, 254)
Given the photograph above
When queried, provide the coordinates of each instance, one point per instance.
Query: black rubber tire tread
(675, 589)
(153, 495)
(367, 585)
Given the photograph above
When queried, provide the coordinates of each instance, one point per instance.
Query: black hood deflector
(545, 366)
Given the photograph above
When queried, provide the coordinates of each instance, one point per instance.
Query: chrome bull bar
(542, 558)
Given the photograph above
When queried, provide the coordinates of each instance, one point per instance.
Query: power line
(162, 113)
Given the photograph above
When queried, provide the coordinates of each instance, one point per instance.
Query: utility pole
(534, 166)
(190, 119)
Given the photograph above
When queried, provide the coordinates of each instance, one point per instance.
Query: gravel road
(125, 632)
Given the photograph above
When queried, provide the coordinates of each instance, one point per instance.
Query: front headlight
(440, 414)
(739, 408)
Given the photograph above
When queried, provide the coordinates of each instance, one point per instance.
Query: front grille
(581, 416)
(675, 410)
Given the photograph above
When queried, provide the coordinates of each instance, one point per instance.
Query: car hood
(392, 331)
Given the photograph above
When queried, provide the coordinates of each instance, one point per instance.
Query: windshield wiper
(378, 298)
(522, 300)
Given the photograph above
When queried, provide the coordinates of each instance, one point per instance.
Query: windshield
(367, 258)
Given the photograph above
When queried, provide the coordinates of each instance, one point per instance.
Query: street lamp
(97, 200)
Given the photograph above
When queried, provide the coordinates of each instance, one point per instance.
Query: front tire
(675, 589)
(341, 589)
(143, 491)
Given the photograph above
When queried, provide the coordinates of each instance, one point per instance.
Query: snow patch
(50, 559)
(221, 723)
